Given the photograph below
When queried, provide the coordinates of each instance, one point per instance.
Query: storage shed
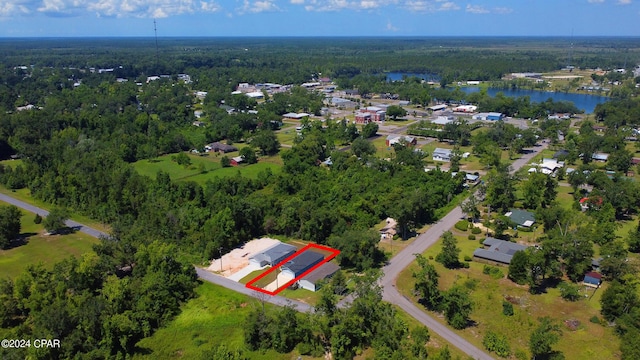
(301, 263)
(312, 280)
(273, 255)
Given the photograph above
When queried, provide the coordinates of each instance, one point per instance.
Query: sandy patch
(282, 279)
(238, 258)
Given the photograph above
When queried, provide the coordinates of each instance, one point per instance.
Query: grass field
(487, 315)
(210, 164)
(214, 317)
(43, 249)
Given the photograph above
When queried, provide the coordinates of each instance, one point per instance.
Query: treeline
(342, 332)
(97, 306)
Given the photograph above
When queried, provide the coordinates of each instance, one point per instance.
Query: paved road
(238, 287)
(36, 210)
(405, 257)
(388, 281)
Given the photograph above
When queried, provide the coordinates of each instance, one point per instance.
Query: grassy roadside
(25, 196)
(40, 248)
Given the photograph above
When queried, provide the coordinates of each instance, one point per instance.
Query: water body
(582, 101)
(398, 76)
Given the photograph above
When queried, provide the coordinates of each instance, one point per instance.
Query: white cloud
(476, 9)
(595, 1)
(111, 8)
(390, 27)
(503, 10)
(258, 6)
(624, 2)
(431, 5)
(337, 5)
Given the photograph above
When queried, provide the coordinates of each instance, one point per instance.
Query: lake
(582, 101)
(397, 76)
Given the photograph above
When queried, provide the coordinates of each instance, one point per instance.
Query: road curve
(405, 257)
(70, 223)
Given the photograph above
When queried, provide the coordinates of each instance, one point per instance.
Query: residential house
(497, 251)
(389, 231)
(301, 263)
(521, 217)
(440, 154)
(397, 139)
(592, 279)
(273, 255)
(443, 120)
(220, 147)
(600, 157)
(313, 280)
(235, 161)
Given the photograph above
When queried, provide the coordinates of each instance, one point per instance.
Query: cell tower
(569, 64)
(155, 30)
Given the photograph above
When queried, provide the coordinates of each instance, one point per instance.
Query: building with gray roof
(273, 255)
(301, 263)
(313, 280)
(497, 251)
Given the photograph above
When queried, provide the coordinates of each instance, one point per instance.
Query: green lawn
(39, 248)
(213, 318)
(487, 315)
(210, 164)
(11, 163)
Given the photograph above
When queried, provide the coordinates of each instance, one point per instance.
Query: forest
(78, 145)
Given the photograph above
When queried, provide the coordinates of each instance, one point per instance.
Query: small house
(273, 255)
(301, 263)
(441, 155)
(494, 116)
(389, 230)
(313, 280)
(592, 279)
(397, 139)
(521, 217)
(235, 161)
(220, 147)
(600, 157)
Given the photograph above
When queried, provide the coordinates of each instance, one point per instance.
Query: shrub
(507, 308)
(467, 258)
(471, 284)
(465, 265)
(493, 271)
(37, 219)
(471, 237)
(525, 229)
(462, 225)
(496, 343)
(476, 230)
(225, 161)
(569, 292)
(595, 319)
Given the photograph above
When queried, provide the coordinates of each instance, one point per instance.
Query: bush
(569, 292)
(471, 237)
(493, 271)
(525, 229)
(225, 161)
(467, 258)
(507, 308)
(471, 284)
(462, 225)
(476, 230)
(465, 265)
(497, 343)
(37, 219)
(595, 319)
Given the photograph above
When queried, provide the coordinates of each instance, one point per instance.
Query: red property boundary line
(333, 254)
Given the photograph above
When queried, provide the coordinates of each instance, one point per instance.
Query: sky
(106, 18)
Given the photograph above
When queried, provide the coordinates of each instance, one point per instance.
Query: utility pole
(220, 249)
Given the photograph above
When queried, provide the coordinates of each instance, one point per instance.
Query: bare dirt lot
(237, 259)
